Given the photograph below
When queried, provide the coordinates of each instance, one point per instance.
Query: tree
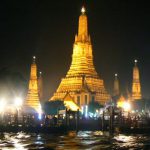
(93, 106)
(52, 107)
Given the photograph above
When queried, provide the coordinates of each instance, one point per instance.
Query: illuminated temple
(32, 100)
(116, 86)
(82, 81)
(136, 86)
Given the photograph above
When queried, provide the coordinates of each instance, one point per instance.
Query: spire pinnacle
(135, 61)
(116, 85)
(116, 76)
(40, 73)
(34, 58)
(83, 26)
(83, 10)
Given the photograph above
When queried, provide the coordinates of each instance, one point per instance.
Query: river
(83, 140)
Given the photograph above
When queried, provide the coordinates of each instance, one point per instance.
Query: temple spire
(82, 81)
(83, 26)
(83, 10)
(33, 73)
(136, 86)
(34, 59)
(135, 62)
(116, 86)
(32, 99)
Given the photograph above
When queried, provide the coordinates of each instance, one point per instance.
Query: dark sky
(120, 32)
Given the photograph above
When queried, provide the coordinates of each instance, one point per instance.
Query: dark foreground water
(82, 140)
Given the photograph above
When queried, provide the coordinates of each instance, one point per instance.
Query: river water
(83, 140)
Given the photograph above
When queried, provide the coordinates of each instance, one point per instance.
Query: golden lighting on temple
(136, 85)
(71, 105)
(32, 99)
(82, 81)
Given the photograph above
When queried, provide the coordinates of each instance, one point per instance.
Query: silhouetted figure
(46, 121)
(55, 121)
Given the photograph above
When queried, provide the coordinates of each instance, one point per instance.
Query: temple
(82, 81)
(136, 86)
(116, 86)
(32, 100)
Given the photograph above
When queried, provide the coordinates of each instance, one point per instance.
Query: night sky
(120, 33)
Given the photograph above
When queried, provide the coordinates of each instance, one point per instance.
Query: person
(55, 121)
(46, 121)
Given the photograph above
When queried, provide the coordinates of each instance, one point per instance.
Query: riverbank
(35, 129)
(64, 129)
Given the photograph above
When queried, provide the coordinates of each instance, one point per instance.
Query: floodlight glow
(95, 114)
(39, 116)
(40, 113)
(91, 114)
(2, 105)
(86, 111)
(18, 102)
(82, 110)
(126, 106)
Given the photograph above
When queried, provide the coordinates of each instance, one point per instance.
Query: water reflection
(132, 141)
(82, 140)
